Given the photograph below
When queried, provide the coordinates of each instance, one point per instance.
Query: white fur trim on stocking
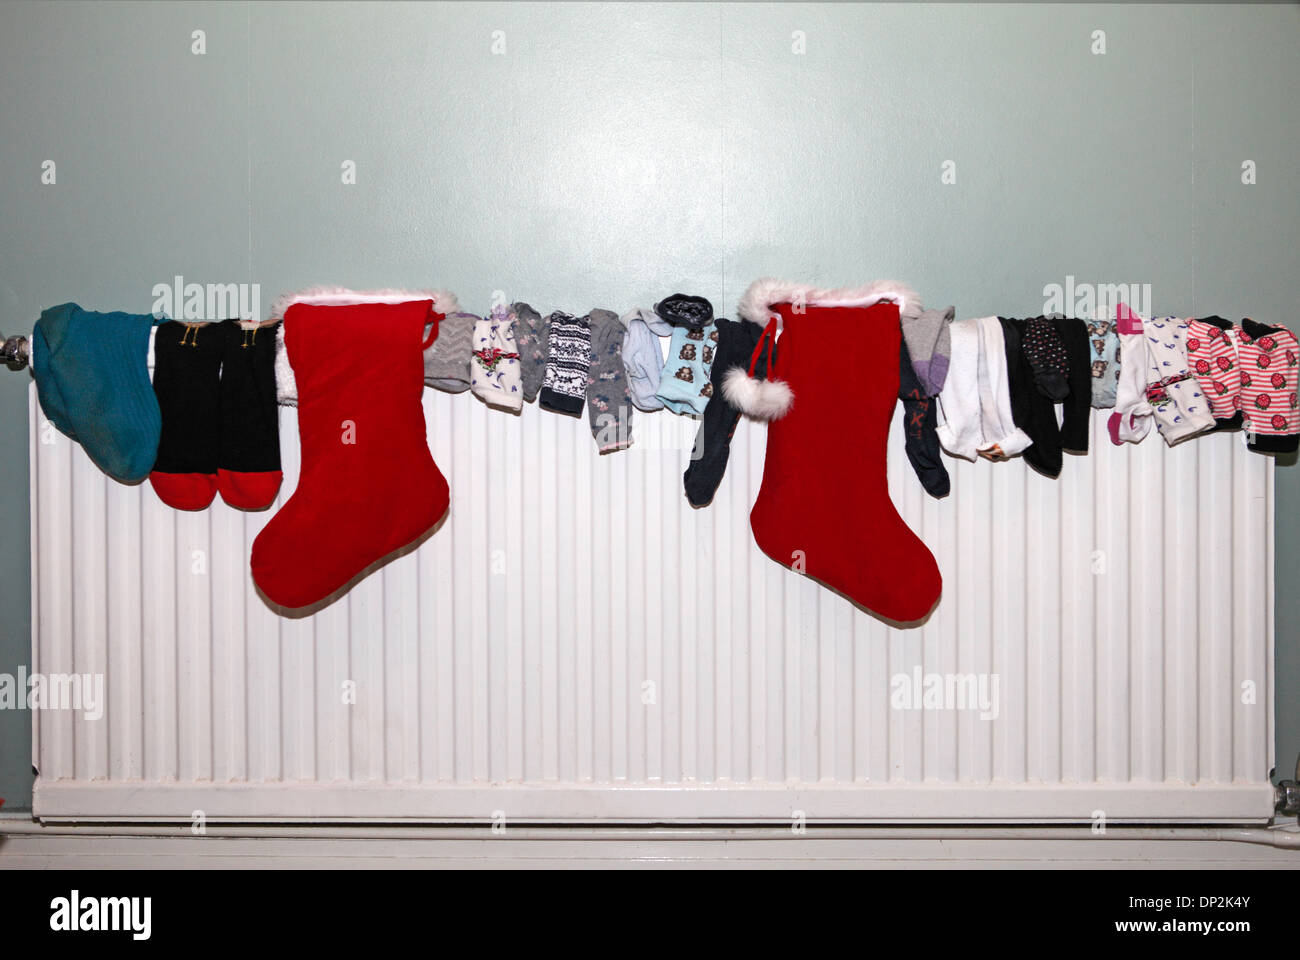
(760, 399)
(286, 388)
(756, 305)
(443, 301)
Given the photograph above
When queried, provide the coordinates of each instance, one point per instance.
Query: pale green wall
(616, 153)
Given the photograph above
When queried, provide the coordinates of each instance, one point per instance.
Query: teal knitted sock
(92, 377)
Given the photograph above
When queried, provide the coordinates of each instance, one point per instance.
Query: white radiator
(578, 644)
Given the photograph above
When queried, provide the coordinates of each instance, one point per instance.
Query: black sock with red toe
(248, 473)
(187, 381)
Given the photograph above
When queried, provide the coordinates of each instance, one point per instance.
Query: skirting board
(1163, 803)
(644, 848)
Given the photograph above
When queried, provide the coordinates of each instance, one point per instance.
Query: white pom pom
(760, 399)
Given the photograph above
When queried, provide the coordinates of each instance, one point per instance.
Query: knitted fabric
(609, 408)
(446, 362)
(564, 387)
(494, 364)
(1212, 357)
(1268, 387)
(92, 379)
(532, 341)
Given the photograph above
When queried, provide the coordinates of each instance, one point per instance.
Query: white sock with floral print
(494, 373)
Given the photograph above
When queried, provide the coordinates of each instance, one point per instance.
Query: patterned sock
(494, 367)
(1031, 409)
(446, 361)
(1131, 421)
(1212, 357)
(736, 342)
(1268, 387)
(1177, 404)
(609, 407)
(532, 340)
(1104, 357)
(1047, 358)
(920, 442)
(568, 360)
(685, 387)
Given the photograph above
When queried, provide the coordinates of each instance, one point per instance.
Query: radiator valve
(14, 352)
(1287, 794)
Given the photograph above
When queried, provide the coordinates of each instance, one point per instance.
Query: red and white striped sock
(1269, 370)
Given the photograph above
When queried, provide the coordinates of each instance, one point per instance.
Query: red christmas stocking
(369, 485)
(823, 508)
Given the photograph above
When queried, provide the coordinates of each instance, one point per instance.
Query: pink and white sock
(1212, 357)
(1269, 357)
(1131, 421)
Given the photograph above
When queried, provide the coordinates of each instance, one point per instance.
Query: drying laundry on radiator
(571, 364)
(993, 388)
(974, 416)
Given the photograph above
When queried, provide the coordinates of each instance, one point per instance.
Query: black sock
(920, 422)
(1031, 410)
(249, 457)
(736, 342)
(187, 381)
(1042, 347)
(1078, 404)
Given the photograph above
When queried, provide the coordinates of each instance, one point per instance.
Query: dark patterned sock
(920, 421)
(568, 360)
(532, 340)
(736, 342)
(1047, 358)
(1031, 410)
(609, 408)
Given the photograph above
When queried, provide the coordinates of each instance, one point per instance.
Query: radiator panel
(576, 643)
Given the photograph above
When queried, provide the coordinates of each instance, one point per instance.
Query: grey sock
(609, 406)
(446, 362)
(643, 357)
(532, 337)
(929, 343)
